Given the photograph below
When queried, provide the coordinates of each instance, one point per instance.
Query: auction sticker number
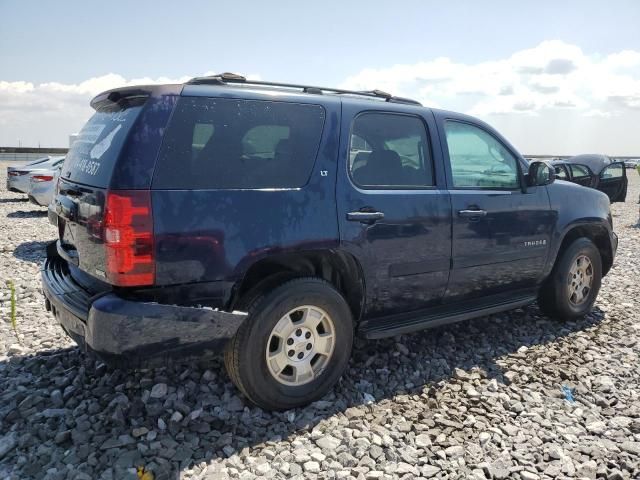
(88, 166)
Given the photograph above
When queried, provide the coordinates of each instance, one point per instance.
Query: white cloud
(550, 81)
(553, 97)
(46, 113)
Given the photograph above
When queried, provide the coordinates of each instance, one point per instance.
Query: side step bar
(443, 314)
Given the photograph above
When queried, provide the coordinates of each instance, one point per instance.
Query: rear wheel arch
(338, 268)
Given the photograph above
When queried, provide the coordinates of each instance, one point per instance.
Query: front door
(501, 235)
(613, 181)
(394, 218)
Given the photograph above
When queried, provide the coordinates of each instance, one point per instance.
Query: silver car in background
(18, 177)
(42, 186)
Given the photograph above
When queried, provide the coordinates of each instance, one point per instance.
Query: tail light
(128, 238)
(42, 178)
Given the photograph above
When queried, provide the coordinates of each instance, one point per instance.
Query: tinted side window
(390, 150)
(214, 143)
(479, 160)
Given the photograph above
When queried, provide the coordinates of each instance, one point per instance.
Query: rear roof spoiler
(133, 95)
(120, 96)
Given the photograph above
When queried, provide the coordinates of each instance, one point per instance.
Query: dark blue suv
(276, 221)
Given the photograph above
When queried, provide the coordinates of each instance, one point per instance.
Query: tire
(558, 297)
(284, 307)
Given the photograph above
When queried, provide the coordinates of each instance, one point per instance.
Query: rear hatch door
(84, 180)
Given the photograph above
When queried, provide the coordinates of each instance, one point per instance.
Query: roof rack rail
(226, 78)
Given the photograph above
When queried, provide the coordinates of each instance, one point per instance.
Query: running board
(441, 315)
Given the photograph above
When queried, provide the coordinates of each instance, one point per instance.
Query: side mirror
(540, 173)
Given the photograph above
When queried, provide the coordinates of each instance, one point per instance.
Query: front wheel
(294, 345)
(572, 288)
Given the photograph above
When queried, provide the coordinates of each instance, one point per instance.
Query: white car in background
(19, 177)
(631, 163)
(42, 186)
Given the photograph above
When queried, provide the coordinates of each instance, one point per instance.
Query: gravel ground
(481, 399)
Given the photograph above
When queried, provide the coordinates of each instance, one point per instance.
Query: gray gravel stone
(159, 390)
(631, 447)
(454, 452)
(328, 443)
(7, 443)
(312, 467)
(480, 399)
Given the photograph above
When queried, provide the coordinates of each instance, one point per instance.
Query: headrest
(387, 159)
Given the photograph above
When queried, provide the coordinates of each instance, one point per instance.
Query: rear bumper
(128, 332)
(52, 216)
(17, 185)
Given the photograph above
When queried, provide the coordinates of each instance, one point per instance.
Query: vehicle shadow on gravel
(172, 419)
(27, 214)
(31, 251)
(13, 200)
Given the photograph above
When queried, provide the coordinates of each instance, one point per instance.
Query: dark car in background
(595, 171)
(277, 221)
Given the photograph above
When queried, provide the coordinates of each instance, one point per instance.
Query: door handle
(365, 217)
(472, 213)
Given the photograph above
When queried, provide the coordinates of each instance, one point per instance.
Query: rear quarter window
(214, 143)
(94, 153)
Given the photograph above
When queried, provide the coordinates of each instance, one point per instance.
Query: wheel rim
(300, 345)
(580, 280)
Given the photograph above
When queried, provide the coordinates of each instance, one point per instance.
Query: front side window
(615, 170)
(390, 151)
(561, 174)
(216, 143)
(479, 160)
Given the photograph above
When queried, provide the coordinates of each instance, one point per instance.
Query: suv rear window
(94, 153)
(214, 143)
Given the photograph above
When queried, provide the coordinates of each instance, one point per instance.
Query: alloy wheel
(300, 345)
(580, 280)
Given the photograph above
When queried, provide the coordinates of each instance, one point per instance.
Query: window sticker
(99, 148)
(90, 133)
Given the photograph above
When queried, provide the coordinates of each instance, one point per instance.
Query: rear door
(613, 181)
(240, 180)
(394, 215)
(501, 232)
(582, 175)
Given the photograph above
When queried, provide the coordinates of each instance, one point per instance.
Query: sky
(555, 77)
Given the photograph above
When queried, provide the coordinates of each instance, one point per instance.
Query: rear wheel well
(600, 238)
(338, 268)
